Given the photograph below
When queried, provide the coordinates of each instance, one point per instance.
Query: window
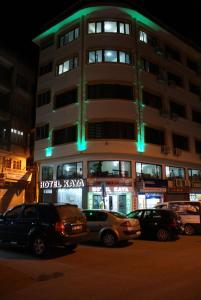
(4, 101)
(194, 174)
(192, 65)
(149, 67)
(42, 132)
(47, 173)
(110, 91)
(174, 79)
(113, 56)
(108, 27)
(154, 136)
(196, 116)
(43, 98)
(68, 37)
(108, 168)
(193, 88)
(180, 142)
(198, 146)
(67, 65)
(143, 37)
(177, 109)
(111, 130)
(44, 69)
(147, 38)
(147, 171)
(7, 163)
(65, 135)
(152, 100)
(65, 98)
(46, 43)
(70, 170)
(173, 53)
(174, 172)
(17, 164)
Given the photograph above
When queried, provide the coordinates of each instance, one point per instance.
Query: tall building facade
(118, 112)
(17, 81)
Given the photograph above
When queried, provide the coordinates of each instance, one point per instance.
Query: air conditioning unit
(177, 151)
(165, 149)
(179, 182)
(174, 116)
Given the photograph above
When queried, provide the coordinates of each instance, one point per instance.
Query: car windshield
(67, 211)
(118, 215)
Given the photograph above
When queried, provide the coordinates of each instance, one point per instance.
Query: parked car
(110, 227)
(40, 226)
(190, 213)
(157, 223)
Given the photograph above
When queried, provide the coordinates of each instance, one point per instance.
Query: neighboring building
(118, 110)
(16, 120)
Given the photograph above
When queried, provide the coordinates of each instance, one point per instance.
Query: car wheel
(109, 239)
(189, 230)
(38, 246)
(162, 235)
(71, 247)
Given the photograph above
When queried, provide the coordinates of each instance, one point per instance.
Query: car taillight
(173, 223)
(60, 227)
(126, 225)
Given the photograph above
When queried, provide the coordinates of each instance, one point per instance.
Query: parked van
(190, 212)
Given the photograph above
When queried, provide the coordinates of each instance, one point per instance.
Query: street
(140, 270)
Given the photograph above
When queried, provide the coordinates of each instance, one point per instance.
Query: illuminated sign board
(113, 189)
(66, 183)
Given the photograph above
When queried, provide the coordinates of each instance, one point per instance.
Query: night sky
(21, 21)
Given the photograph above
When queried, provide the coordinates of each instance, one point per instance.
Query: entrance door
(122, 204)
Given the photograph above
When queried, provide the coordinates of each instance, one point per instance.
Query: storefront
(63, 191)
(195, 192)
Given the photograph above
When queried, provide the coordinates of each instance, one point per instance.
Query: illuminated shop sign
(113, 189)
(68, 183)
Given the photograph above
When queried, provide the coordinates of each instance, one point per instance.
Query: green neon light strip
(49, 149)
(140, 139)
(83, 12)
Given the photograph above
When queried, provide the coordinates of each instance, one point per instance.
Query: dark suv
(157, 223)
(40, 226)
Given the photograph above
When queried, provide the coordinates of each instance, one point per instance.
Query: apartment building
(16, 120)
(118, 112)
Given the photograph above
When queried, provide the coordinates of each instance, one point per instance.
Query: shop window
(109, 168)
(69, 170)
(43, 98)
(180, 142)
(147, 171)
(111, 130)
(47, 173)
(194, 174)
(68, 37)
(65, 98)
(110, 91)
(152, 100)
(177, 109)
(174, 172)
(65, 135)
(42, 132)
(112, 56)
(154, 136)
(67, 65)
(108, 27)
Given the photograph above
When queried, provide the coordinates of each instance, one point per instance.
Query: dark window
(180, 142)
(45, 69)
(111, 130)
(194, 88)
(65, 98)
(47, 173)
(65, 135)
(149, 67)
(42, 132)
(172, 53)
(47, 43)
(43, 98)
(6, 75)
(178, 109)
(196, 116)
(22, 82)
(174, 79)
(4, 101)
(14, 213)
(198, 146)
(69, 170)
(68, 37)
(110, 91)
(154, 136)
(152, 100)
(192, 65)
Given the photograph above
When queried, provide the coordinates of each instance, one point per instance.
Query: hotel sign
(66, 183)
(111, 189)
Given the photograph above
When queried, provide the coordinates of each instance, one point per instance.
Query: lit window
(67, 65)
(113, 56)
(143, 37)
(124, 28)
(92, 55)
(110, 26)
(98, 27)
(110, 56)
(91, 28)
